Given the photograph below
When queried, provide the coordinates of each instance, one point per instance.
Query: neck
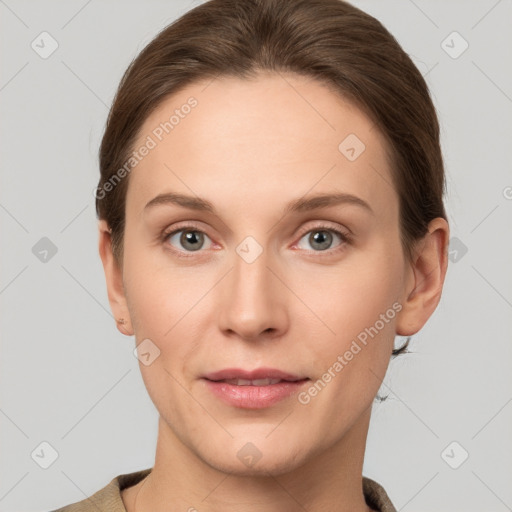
(181, 480)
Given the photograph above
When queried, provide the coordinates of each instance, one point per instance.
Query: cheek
(154, 292)
(351, 345)
(350, 337)
(351, 297)
(165, 307)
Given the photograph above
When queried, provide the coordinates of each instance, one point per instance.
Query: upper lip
(258, 373)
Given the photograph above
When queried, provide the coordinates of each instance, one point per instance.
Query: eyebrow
(302, 204)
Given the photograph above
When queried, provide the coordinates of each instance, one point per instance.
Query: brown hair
(329, 40)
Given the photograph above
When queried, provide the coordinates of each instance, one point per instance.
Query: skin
(250, 147)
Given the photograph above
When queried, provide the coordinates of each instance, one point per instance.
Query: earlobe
(114, 281)
(124, 327)
(425, 280)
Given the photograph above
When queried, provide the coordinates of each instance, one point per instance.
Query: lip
(258, 373)
(250, 396)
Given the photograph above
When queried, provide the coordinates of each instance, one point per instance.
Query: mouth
(255, 382)
(259, 376)
(254, 389)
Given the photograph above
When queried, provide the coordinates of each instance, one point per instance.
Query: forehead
(276, 135)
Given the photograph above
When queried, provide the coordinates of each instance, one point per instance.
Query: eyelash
(345, 237)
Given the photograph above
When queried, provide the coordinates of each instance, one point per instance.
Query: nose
(252, 302)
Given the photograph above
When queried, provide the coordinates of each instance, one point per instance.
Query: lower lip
(254, 397)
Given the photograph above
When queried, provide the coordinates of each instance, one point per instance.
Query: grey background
(70, 379)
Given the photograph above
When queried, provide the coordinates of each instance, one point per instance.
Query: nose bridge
(252, 302)
(251, 276)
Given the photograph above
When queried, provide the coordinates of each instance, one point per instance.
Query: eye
(321, 238)
(187, 238)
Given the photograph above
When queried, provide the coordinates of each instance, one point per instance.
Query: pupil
(320, 237)
(190, 237)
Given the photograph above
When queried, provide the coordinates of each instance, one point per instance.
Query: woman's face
(262, 280)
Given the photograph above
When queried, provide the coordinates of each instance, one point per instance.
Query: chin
(260, 457)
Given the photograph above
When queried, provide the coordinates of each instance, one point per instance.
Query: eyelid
(325, 225)
(182, 226)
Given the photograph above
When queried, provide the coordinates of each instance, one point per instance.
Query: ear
(114, 281)
(425, 279)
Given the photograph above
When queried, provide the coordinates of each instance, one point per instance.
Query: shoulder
(376, 496)
(109, 497)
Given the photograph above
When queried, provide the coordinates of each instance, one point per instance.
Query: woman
(271, 217)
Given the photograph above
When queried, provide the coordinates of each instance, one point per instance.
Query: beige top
(109, 498)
